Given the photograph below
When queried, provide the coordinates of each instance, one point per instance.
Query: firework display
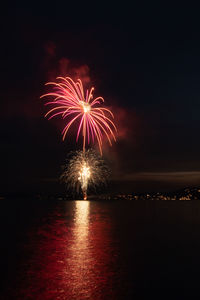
(71, 103)
(85, 169)
(79, 108)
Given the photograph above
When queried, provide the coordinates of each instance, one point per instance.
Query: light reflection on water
(91, 255)
(70, 254)
(98, 250)
(79, 252)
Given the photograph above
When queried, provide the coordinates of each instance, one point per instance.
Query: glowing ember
(70, 102)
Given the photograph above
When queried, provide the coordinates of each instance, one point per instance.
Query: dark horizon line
(69, 194)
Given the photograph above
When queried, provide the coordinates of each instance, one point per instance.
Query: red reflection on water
(70, 255)
(79, 258)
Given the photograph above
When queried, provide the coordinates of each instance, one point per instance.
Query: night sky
(144, 61)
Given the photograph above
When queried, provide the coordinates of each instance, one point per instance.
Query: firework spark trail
(84, 176)
(70, 102)
(85, 169)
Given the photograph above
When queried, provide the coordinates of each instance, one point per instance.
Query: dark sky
(145, 62)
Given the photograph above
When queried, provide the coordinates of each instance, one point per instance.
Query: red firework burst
(70, 102)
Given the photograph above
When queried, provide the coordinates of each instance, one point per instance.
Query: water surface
(98, 250)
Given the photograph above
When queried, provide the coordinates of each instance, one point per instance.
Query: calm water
(98, 250)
